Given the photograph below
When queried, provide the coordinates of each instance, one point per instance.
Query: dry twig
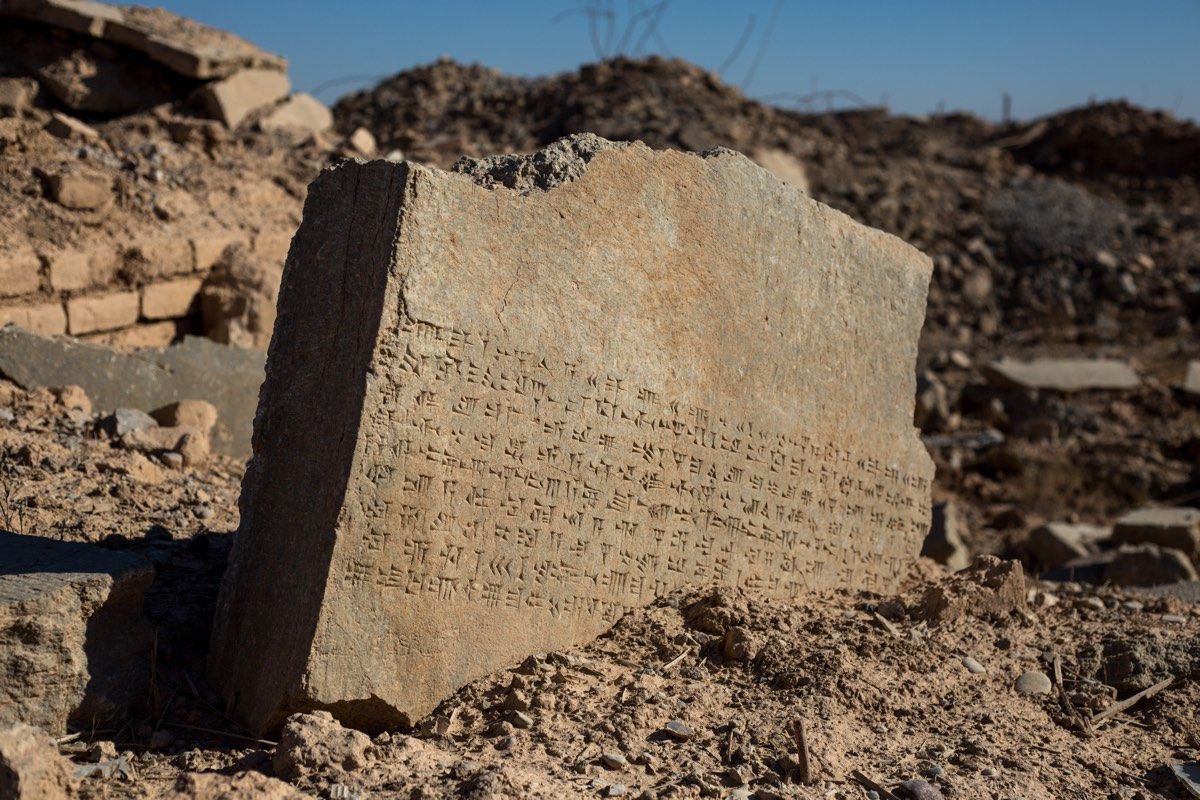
(1130, 702)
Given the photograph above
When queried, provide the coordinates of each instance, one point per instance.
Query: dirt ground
(880, 683)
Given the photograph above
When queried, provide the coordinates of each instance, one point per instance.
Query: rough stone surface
(233, 99)
(102, 313)
(30, 766)
(249, 785)
(237, 301)
(198, 414)
(317, 743)
(1062, 374)
(1167, 527)
(170, 299)
(195, 368)
(1147, 565)
(300, 112)
(126, 420)
(41, 318)
(1191, 379)
(530, 411)
(74, 646)
(944, 543)
(1056, 543)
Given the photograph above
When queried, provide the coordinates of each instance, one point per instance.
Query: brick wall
(143, 294)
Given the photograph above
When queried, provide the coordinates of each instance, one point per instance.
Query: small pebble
(506, 742)
(1132, 605)
(1174, 618)
(519, 719)
(1034, 682)
(677, 729)
(973, 666)
(614, 760)
(615, 790)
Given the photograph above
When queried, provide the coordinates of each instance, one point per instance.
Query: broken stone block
(1056, 543)
(944, 544)
(207, 250)
(102, 313)
(1167, 527)
(237, 301)
(195, 368)
(74, 646)
(1062, 374)
(125, 420)
(170, 299)
(233, 99)
(534, 408)
(30, 765)
(69, 269)
(17, 95)
(362, 141)
(300, 113)
(198, 414)
(47, 319)
(190, 443)
(20, 271)
(1191, 379)
(65, 126)
(79, 191)
(1147, 565)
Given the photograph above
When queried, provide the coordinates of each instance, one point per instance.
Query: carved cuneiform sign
(495, 421)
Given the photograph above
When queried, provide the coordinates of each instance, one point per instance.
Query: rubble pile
(136, 146)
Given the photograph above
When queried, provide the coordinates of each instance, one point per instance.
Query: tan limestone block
(170, 299)
(102, 312)
(47, 319)
(531, 409)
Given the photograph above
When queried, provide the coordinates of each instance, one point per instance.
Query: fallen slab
(1167, 527)
(1056, 543)
(184, 46)
(194, 369)
(1062, 374)
(549, 390)
(74, 646)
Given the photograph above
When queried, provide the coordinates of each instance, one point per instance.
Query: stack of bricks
(144, 294)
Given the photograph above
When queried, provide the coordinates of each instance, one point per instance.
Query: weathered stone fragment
(944, 543)
(1191, 379)
(233, 99)
(516, 414)
(102, 312)
(43, 318)
(1062, 374)
(227, 377)
(182, 45)
(74, 646)
(1167, 527)
(65, 126)
(30, 765)
(1056, 543)
(301, 113)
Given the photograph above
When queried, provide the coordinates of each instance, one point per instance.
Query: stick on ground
(872, 785)
(803, 760)
(1130, 702)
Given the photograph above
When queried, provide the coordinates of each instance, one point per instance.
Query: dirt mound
(1108, 138)
(439, 112)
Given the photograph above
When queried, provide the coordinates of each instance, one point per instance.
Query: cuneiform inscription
(501, 477)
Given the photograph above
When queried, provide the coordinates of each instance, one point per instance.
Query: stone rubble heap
(110, 111)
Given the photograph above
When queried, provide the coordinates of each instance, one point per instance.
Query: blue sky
(917, 55)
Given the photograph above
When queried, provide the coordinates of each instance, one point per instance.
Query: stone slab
(74, 645)
(518, 413)
(184, 46)
(233, 99)
(1167, 527)
(1062, 374)
(194, 369)
(1191, 379)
